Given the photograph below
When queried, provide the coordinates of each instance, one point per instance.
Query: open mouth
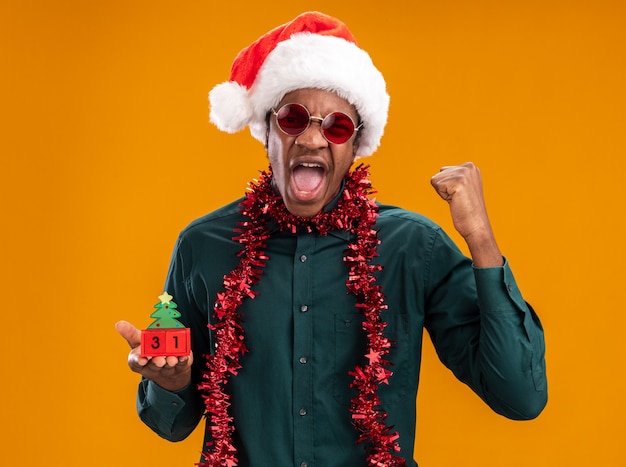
(308, 177)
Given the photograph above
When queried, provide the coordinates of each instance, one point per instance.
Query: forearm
(484, 249)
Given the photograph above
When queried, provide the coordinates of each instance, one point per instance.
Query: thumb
(129, 332)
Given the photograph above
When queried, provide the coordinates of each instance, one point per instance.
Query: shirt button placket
(302, 347)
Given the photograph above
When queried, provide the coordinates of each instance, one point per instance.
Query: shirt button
(304, 308)
(303, 258)
(303, 412)
(303, 360)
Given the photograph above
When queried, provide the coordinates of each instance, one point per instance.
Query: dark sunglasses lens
(292, 119)
(338, 128)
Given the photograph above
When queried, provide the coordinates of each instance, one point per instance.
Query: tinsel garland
(356, 213)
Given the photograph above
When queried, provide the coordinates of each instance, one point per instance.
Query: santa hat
(312, 51)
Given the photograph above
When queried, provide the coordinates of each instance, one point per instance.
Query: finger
(171, 362)
(178, 362)
(158, 362)
(130, 333)
(445, 175)
(184, 361)
(443, 170)
(445, 193)
(164, 361)
(443, 186)
(136, 362)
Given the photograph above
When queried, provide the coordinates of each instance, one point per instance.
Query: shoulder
(223, 219)
(413, 234)
(396, 217)
(407, 229)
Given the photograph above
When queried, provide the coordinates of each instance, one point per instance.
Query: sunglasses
(294, 119)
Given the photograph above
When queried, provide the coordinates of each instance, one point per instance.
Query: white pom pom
(231, 109)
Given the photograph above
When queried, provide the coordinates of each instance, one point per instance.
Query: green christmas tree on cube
(165, 314)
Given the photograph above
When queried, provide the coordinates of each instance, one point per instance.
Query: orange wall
(106, 154)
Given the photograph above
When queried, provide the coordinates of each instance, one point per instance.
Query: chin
(304, 210)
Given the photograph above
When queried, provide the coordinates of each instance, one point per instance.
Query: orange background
(106, 154)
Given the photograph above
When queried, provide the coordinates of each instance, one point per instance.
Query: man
(306, 300)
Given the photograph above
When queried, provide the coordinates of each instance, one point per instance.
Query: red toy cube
(165, 342)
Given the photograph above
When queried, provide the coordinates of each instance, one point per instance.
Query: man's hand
(171, 373)
(461, 186)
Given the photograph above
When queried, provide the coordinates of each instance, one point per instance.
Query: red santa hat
(312, 51)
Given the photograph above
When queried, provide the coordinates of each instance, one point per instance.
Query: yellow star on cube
(165, 298)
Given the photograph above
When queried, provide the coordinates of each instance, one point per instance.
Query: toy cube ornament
(165, 336)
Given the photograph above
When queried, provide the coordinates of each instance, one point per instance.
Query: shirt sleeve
(486, 333)
(512, 346)
(172, 415)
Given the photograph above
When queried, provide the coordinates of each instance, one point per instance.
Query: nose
(312, 137)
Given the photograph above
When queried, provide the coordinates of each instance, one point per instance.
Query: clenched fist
(461, 186)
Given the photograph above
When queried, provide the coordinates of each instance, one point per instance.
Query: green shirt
(303, 332)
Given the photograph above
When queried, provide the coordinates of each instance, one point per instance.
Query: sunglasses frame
(320, 120)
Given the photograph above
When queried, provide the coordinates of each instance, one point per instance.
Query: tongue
(307, 179)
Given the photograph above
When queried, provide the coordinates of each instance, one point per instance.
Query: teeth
(310, 164)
